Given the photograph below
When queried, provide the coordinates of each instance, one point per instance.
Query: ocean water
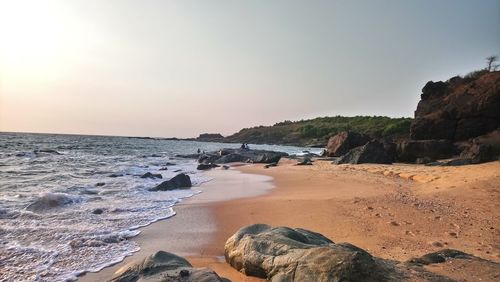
(51, 185)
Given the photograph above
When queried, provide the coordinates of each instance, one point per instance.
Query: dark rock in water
(231, 158)
(169, 164)
(371, 152)
(458, 109)
(478, 153)
(295, 254)
(411, 150)
(241, 155)
(151, 175)
(47, 151)
(98, 211)
(225, 167)
(116, 175)
(189, 156)
(50, 201)
(178, 170)
(98, 184)
(180, 181)
(206, 166)
(164, 168)
(305, 161)
(164, 267)
(343, 142)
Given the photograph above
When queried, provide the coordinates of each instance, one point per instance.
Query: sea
(70, 204)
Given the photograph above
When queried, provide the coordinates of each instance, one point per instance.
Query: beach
(395, 212)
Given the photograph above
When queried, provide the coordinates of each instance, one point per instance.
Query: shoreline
(190, 231)
(411, 211)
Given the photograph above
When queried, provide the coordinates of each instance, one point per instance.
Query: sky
(181, 68)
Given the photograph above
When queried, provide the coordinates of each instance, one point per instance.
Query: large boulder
(478, 153)
(411, 150)
(371, 152)
(164, 267)
(224, 156)
(295, 254)
(180, 181)
(343, 142)
(458, 109)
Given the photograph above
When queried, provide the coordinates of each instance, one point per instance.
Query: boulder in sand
(371, 152)
(164, 267)
(343, 142)
(180, 181)
(295, 254)
(206, 166)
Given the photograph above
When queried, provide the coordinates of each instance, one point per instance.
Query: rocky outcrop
(224, 156)
(411, 150)
(458, 109)
(164, 267)
(371, 152)
(343, 142)
(294, 254)
(180, 181)
(478, 153)
(305, 161)
(206, 166)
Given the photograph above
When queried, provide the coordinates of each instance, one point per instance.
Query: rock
(98, 211)
(180, 181)
(241, 155)
(164, 267)
(270, 165)
(151, 175)
(439, 257)
(225, 167)
(47, 151)
(164, 168)
(343, 142)
(478, 153)
(169, 164)
(49, 201)
(114, 175)
(458, 109)
(206, 166)
(295, 254)
(424, 160)
(305, 161)
(411, 150)
(99, 184)
(371, 152)
(231, 158)
(188, 156)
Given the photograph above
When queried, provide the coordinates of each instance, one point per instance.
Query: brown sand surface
(393, 211)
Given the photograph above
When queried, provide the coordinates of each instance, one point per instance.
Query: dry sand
(393, 211)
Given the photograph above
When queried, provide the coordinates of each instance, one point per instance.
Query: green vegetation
(317, 131)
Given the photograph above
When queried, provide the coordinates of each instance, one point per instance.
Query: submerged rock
(180, 181)
(50, 201)
(238, 155)
(164, 267)
(151, 175)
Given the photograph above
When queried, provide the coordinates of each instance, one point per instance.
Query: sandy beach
(392, 211)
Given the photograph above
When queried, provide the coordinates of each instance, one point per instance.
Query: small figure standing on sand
(243, 146)
(199, 151)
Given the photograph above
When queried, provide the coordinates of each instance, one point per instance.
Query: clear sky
(180, 68)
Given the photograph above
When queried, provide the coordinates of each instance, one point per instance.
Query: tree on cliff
(490, 63)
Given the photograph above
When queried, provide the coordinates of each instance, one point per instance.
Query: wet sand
(393, 211)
